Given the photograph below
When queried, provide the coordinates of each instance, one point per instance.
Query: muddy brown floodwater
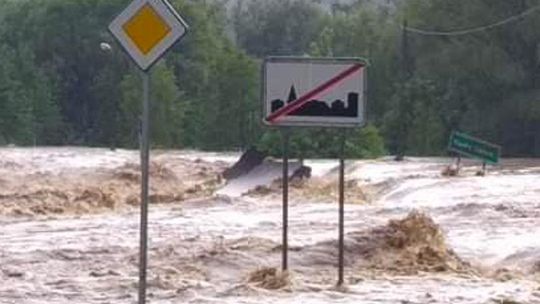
(413, 236)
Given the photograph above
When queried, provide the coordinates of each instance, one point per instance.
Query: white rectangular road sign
(146, 29)
(316, 92)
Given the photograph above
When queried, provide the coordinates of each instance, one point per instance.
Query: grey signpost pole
(145, 157)
(146, 47)
(328, 78)
(285, 186)
(341, 209)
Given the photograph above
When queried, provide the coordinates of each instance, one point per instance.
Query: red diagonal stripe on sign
(325, 87)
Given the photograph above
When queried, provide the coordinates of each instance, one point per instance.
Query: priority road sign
(146, 29)
(319, 92)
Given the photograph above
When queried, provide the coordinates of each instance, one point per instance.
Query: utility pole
(405, 57)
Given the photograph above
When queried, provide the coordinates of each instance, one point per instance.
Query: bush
(324, 143)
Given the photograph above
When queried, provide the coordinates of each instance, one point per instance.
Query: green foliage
(414, 124)
(235, 97)
(486, 76)
(58, 87)
(366, 143)
(276, 27)
(220, 82)
(364, 31)
(28, 112)
(166, 108)
(325, 143)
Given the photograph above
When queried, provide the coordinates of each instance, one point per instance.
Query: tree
(414, 125)
(58, 87)
(220, 81)
(166, 109)
(325, 143)
(28, 111)
(276, 27)
(236, 97)
(483, 72)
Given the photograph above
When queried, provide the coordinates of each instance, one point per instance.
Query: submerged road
(202, 251)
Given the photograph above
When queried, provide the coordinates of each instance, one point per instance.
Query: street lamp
(105, 47)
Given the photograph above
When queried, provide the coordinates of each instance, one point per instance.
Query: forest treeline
(58, 87)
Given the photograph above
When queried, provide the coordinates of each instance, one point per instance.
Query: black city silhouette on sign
(320, 108)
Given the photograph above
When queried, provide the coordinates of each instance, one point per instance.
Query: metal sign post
(145, 158)
(341, 245)
(146, 29)
(285, 186)
(314, 92)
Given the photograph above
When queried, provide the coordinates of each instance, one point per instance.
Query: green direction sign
(473, 147)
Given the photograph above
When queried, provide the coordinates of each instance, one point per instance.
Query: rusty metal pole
(341, 255)
(285, 181)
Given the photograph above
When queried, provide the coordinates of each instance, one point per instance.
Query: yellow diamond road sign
(146, 29)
